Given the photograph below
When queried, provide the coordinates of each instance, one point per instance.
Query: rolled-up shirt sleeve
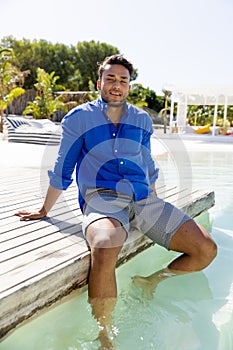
(69, 152)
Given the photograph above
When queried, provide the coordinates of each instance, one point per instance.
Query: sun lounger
(36, 131)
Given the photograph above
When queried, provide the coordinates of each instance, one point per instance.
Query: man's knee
(194, 241)
(208, 251)
(105, 233)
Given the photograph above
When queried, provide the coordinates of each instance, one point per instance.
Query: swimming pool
(189, 312)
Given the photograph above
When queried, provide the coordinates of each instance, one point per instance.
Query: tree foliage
(144, 97)
(45, 103)
(75, 65)
(31, 55)
(202, 115)
(89, 54)
(11, 80)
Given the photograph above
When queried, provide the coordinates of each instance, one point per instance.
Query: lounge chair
(36, 131)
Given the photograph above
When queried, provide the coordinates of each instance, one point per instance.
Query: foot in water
(146, 285)
(106, 343)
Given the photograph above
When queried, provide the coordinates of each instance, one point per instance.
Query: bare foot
(101, 310)
(146, 285)
(106, 343)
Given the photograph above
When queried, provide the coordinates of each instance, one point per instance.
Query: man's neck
(115, 113)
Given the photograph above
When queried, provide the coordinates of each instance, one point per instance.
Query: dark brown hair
(115, 59)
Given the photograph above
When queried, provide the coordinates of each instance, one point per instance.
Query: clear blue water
(189, 312)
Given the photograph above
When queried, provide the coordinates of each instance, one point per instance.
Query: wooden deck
(41, 261)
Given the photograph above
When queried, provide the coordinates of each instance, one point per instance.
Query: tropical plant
(200, 115)
(11, 80)
(230, 114)
(93, 94)
(45, 103)
(137, 96)
(144, 97)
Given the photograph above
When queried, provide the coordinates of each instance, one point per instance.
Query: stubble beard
(116, 104)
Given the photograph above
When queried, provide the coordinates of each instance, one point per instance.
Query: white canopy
(202, 95)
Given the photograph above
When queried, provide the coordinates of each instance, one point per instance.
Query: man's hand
(50, 199)
(31, 215)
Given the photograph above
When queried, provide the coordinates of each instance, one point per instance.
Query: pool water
(188, 312)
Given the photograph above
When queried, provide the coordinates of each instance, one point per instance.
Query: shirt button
(115, 150)
(122, 162)
(113, 134)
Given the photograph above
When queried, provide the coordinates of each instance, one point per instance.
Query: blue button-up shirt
(116, 158)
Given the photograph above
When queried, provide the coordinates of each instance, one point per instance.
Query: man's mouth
(118, 94)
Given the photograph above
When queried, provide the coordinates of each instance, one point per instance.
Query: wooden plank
(44, 260)
(56, 253)
(36, 238)
(23, 227)
(63, 280)
(10, 214)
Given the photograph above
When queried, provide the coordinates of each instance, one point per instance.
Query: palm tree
(11, 80)
(45, 103)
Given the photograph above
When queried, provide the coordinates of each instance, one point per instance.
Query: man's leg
(197, 246)
(198, 251)
(105, 237)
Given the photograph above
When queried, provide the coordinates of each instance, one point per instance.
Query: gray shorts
(151, 216)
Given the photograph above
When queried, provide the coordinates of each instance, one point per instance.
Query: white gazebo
(205, 95)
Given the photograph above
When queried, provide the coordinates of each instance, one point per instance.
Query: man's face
(114, 84)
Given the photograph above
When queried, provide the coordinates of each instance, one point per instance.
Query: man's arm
(50, 199)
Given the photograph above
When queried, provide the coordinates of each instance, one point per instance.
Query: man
(108, 141)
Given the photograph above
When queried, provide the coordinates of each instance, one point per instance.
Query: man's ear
(98, 84)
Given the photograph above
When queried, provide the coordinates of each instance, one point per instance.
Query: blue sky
(170, 42)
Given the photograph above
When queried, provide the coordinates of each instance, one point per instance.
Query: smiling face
(114, 84)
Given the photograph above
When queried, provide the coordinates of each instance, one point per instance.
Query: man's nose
(116, 83)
